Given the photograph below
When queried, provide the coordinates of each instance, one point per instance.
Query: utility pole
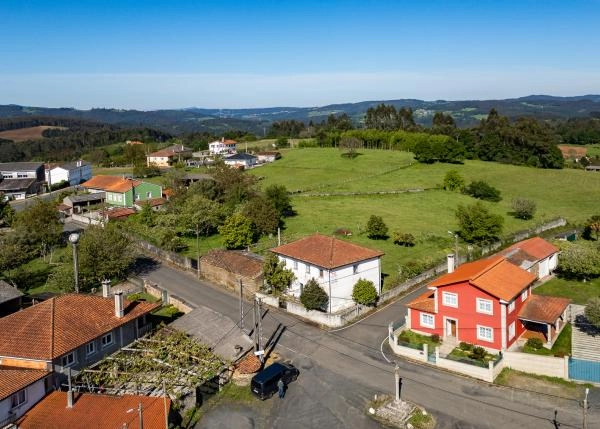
(165, 401)
(254, 325)
(260, 349)
(398, 381)
(585, 408)
(241, 305)
(140, 415)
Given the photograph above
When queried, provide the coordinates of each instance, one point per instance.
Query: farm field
(428, 215)
(22, 134)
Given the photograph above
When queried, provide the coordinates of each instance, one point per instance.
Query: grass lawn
(112, 171)
(142, 296)
(579, 292)
(427, 215)
(561, 347)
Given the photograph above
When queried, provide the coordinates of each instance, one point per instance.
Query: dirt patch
(30, 133)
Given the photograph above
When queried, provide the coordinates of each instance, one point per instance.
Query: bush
(364, 292)
(453, 181)
(592, 311)
(376, 228)
(407, 240)
(465, 347)
(435, 338)
(534, 343)
(478, 353)
(523, 208)
(483, 191)
(313, 297)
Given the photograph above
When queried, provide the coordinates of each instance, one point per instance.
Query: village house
(21, 179)
(264, 157)
(60, 411)
(488, 303)
(535, 255)
(240, 160)
(73, 173)
(221, 147)
(230, 267)
(123, 192)
(39, 343)
(167, 156)
(335, 264)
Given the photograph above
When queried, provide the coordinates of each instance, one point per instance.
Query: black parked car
(264, 384)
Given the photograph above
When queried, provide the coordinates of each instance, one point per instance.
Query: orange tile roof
(326, 252)
(572, 151)
(111, 183)
(118, 213)
(544, 309)
(95, 411)
(536, 247)
(494, 275)
(170, 151)
(14, 379)
(55, 327)
(424, 302)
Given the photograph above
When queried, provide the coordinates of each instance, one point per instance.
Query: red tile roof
(55, 327)
(544, 309)
(14, 379)
(249, 364)
(572, 151)
(494, 275)
(424, 302)
(152, 202)
(241, 263)
(118, 213)
(95, 411)
(326, 252)
(536, 247)
(111, 183)
(170, 151)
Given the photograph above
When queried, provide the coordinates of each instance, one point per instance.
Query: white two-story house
(335, 264)
(72, 172)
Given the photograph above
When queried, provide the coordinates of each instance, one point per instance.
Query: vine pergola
(168, 362)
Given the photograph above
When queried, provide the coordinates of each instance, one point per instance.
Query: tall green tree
(477, 224)
(237, 232)
(263, 215)
(376, 228)
(7, 213)
(276, 275)
(580, 260)
(278, 195)
(313, 297)
(39, 227)
(592, 311)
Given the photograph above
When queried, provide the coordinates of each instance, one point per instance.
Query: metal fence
(584, 370)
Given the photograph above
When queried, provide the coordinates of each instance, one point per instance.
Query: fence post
(391, 332)
(566, 368)
(437, 354)
(490, 371)
(425, 352)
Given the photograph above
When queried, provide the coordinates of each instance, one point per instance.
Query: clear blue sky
(228, 54)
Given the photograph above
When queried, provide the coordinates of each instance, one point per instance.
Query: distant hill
(216, 121)
(29, 133)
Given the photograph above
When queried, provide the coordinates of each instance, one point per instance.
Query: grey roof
(73, 165)
(8, 292)
(242, 156)
(20, 166)
(94, 196)
(16, 184)
(217, 331)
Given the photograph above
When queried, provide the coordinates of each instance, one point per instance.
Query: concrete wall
(485, 374)
(534, 364)
(177, 302)
(171, 257)
(271, 300)
(86, 220)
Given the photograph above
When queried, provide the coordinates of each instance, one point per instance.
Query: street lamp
(74, 239)
(455, 248)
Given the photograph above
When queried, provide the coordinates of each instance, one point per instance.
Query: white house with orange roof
(335, 264)
(535, 255)
(219, 147)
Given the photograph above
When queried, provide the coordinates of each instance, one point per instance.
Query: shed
(228, 267)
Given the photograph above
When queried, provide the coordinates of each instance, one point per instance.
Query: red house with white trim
(487, 303)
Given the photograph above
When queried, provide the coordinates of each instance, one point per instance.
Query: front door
(451, 328)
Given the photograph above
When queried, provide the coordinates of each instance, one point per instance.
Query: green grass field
(428, 215)
(579, 292)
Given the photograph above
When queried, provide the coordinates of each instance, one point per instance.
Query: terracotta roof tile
(424, 302)
(117, 213)
(54, 327)
(170, 151)
(572, 151)
(238, 262)
(536, 247)
(494, 275)
(249, 364)
(14, 379)
(545, 309)
(326, 252)
(111, 183)
(95, 411)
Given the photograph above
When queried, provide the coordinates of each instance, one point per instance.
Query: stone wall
(229, 279)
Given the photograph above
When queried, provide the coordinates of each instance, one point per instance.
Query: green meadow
(315, 176)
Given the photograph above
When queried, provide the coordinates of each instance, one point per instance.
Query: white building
(243, 160)
(335, 264)
(535, 255)
(219, 147)
(73, 172)
(20, 389)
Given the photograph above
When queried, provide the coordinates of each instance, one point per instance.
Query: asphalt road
(342, 369)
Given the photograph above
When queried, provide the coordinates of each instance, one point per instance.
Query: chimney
(70, 399)
(119, 310)
(105, 288)
(79, 163)
(222, 139)
(450, 258)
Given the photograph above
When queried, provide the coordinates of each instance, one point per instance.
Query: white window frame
(511, 306)
(90, 348)
(450, 303)
(511, 330)
(485, 302)
(149, 194)
(321, 273)
(489, 339)
(295, 265)
(18, 398)
(65, 360)
(307, 269)
(524, 295)
(424, 322)
(106, 343)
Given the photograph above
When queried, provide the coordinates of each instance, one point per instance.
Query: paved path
(340, 370)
